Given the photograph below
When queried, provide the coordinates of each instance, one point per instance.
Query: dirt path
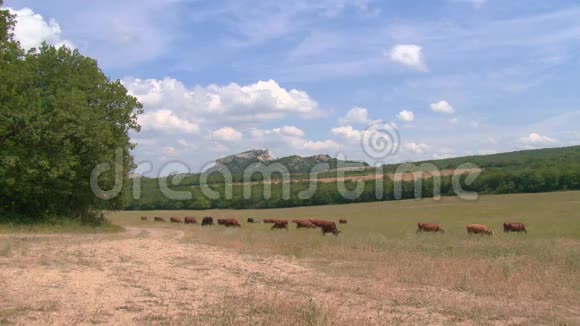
(151, 276)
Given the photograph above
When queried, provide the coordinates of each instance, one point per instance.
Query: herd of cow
(325, 226)
(474, 228)
(330, 227)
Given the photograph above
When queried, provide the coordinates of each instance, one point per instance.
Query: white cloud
(409, 55)
(416, 148)
(406, 116)
(347, 132)
(169, 150)
(535, 138)
(228, 134)
(264, 100)
(183, 142)
(288, 131)
(32, 29)
(317, 146)
(442, 107)
(166, 122)
(356, 115)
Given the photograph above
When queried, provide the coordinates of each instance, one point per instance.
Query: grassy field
(377, 271)
(510, 273)
(547, 215)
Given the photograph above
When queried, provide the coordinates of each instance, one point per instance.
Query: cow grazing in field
(208, 220)
(269, 220)
(429, 227)
(251, 220)
(280, 225)
(143, 218)
(221, 221)
(306, 224)
(159, 219)
(230, 222)
(514, 227)
(479, 229)
(190, 220)
(175, 220)
(342, 221)
(326, 226)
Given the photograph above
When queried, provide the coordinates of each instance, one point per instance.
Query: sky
(447, 77)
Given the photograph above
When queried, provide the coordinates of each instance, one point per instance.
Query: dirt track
(151, 276)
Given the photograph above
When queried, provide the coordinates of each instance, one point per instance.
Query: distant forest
(528, 171)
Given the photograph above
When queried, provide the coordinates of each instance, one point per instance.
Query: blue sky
(457, 77)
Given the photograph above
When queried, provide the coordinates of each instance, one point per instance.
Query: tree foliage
(60, 117)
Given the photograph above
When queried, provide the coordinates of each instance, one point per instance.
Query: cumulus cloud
(442, 107)
(347, 132)
(537, 139)
(32, 29)
(416, 147)
(406, 116)
(261, 101)
(227, 134)
(409, 55)
(166, 122)
(317, 146)
(356, 115)
(290, 131)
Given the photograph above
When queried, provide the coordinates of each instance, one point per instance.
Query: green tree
(60, 118)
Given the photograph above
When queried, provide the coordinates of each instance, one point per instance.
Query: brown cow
(221, 221)
(208, 220)
(429, 227)
(251, 220)
(514, 227)
(479, 229)
(304, 224)
(279, 225)
(230, 222)
(270, 220)
(159, 219)
(342, 221)
(175, 220)
(190, 220)
(143, 218)
(326, 226)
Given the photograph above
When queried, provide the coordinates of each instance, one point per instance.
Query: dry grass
(378, 271)
(532, 276)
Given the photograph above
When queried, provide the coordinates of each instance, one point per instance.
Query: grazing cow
(159, 219)
(190, 220)
(279, 225)
(143, 218)
(269, 220)
(478, 229)
(514, 227)
(326, 226)
(429, 227)
(175, 220)
(251, 220)
(342, 221)
(208, 220)
(230, 222)
(306, 224)
(221, 221)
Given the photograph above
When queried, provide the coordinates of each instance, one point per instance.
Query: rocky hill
(238, 163)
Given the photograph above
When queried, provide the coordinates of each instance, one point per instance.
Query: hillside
(529, 171)
(238, 163)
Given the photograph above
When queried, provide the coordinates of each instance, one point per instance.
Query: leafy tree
(60, 118)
